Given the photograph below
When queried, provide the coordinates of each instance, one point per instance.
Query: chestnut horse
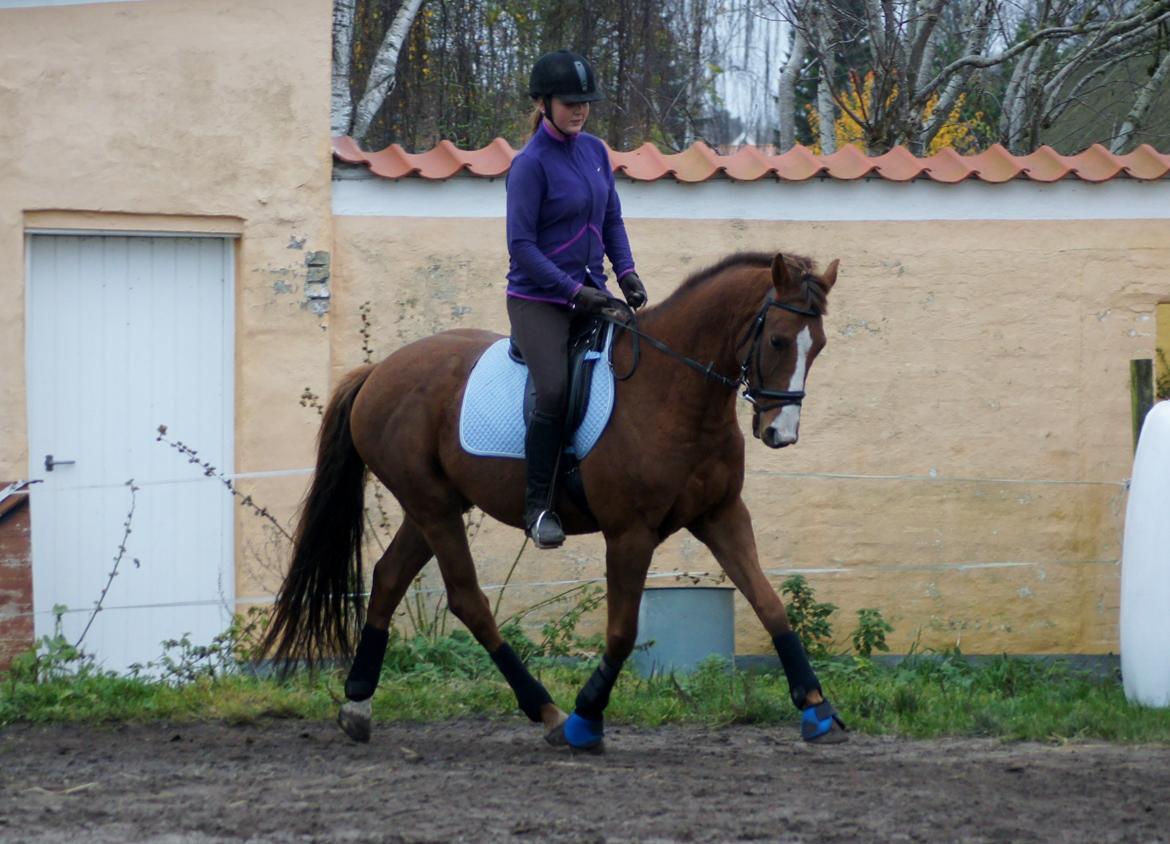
(672, 457)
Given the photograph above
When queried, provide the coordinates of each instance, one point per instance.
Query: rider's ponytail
(535, 118)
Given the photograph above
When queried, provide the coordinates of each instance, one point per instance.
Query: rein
(754, 335)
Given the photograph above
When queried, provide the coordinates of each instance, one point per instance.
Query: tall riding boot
(542, 447)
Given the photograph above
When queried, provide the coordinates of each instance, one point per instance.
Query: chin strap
(547, 112)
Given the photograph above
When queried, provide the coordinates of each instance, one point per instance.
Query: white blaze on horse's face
(785, 427)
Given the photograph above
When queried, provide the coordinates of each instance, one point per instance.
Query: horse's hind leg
(728, 533)
(470, 605)
(393, 574)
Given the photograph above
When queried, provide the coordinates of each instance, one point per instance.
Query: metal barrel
(680, 626)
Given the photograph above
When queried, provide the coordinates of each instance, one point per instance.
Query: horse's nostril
(774, 439)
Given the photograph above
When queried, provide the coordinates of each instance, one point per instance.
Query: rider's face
(569, 117)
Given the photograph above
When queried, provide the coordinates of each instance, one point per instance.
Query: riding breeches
(541, 331)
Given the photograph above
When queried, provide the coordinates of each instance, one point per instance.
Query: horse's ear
(780, 276)
(830, 274)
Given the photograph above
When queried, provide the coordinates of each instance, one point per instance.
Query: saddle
(586, 345)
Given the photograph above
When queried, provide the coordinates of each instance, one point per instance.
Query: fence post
(1141, 393)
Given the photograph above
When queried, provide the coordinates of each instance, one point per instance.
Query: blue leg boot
(584, 734)
(820, 724)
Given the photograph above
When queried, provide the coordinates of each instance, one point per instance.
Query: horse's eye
(778, 342)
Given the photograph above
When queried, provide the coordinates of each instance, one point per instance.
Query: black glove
(633, 290)
(590, 299)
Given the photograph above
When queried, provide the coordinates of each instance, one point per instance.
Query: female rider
(563, 217)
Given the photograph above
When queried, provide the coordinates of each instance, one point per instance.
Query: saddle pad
(491, 421)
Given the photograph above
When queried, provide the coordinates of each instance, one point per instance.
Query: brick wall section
(16, 622)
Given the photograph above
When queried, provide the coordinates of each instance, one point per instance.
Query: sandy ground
(484, 780)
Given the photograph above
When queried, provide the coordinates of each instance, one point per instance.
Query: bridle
(761, 399)
(755, 334)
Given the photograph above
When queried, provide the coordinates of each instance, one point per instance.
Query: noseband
(761, 399)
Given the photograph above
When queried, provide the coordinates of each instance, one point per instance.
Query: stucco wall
(191, 112)
(965, 440)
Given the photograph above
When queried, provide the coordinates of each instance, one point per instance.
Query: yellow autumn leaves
(959, 133)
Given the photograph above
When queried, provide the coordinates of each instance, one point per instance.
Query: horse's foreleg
(728, 533)
(627, 559)
(470, 605)
(393, 574)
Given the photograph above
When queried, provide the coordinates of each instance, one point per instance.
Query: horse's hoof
(355, 719)
(820, 724)
(583, 734)
(555, 735)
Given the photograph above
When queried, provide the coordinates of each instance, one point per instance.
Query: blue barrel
(683, 626)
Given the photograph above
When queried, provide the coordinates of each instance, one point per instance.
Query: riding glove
(590, 299)
(633, 290)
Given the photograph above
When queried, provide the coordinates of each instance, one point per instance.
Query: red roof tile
(947, 166)
(699, 162)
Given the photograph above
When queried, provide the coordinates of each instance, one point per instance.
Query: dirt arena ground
(482, 780)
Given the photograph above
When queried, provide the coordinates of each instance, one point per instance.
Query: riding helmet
(564, 75)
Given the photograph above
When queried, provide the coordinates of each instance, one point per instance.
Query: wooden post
(1141, 393)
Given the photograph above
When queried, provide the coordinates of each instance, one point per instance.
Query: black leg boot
(542, 447)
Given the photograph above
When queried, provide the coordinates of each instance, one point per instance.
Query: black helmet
(564, 75)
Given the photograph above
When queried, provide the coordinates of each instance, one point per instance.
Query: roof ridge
(699, 163)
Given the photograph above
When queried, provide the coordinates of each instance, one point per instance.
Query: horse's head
(784, 340)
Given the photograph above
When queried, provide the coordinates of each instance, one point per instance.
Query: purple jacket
(563, 217)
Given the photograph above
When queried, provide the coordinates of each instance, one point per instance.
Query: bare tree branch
(978, 26)
(1151, 15)
(1077, 93)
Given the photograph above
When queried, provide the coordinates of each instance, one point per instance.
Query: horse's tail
(319, 607)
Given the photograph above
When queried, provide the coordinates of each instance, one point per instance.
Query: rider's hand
(633, 290)
(590, 299)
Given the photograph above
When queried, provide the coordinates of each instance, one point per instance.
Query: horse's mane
(815, 294)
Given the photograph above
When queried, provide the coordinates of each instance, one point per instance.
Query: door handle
(50, 462)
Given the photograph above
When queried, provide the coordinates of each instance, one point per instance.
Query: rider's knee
(551, 403)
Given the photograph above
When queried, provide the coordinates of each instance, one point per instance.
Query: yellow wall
(189, 115)
(966, 434)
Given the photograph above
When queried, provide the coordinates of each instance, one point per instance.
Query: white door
(125, 334)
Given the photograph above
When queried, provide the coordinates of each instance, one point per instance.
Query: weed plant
(1162, 381)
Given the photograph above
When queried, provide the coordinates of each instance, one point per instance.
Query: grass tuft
(925, 696)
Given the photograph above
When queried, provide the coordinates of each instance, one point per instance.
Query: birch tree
(786, 101)
(383, 73)
(341, 101)
(346, 119)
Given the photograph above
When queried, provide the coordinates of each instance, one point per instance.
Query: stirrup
(546, 531)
